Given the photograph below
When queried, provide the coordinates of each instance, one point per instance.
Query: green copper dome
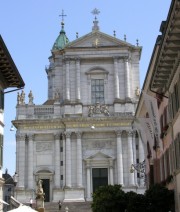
(61, 40)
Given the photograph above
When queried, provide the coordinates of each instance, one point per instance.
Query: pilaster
(88, 178)
(116, 78)
(30, 160)
(78, 80)
(127, 78)
(119, 158)
(21, 160)
(68, 159)
(130, 157)
(57, 176)
(67, 62)
(79, 160)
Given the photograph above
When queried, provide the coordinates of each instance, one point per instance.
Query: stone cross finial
(62, 15)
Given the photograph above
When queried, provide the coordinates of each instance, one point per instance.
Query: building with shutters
(162, 82)
(9, 79)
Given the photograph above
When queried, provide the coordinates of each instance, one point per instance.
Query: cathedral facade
(82, 136)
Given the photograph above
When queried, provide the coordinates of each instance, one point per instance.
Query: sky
(29, 29)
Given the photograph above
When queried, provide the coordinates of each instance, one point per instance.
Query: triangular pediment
(99, 155)
(98, 39)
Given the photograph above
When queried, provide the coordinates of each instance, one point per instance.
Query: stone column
(21, 160)
(64, 161)
(79, 160)
(30, 161)
(68, 159)
(67, 80)
(119, 158)
(127, 78)
(18, 138)
(134, 155)
(88, 177)
(130, 158)
(111, 176)
(57, 176)
(141, 158)
(78, 80)
(116, 78)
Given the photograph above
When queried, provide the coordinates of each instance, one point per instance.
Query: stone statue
(39, 195)
(105, 110)
(97, 108)
(137, 91)
(30, 97)
(91, 111)
(22, 98)
(57, 96)
(18, 99)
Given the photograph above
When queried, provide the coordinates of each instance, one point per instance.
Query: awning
(23, 208)
(3, 202)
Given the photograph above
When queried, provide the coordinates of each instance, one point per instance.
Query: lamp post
(140, 168)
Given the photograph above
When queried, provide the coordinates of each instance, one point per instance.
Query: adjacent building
(162, 82)
(81, 137)
(9, 78)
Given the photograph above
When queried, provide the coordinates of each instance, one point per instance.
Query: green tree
(159, 199)
(137, 203)
(109, 199)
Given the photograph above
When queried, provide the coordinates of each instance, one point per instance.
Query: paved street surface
(73, 207)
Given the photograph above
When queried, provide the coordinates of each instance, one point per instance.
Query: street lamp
(140, 168)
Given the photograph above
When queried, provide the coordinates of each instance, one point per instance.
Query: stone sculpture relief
(98, 109)
(40, 147)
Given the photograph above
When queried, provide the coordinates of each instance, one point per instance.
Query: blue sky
(29, 29)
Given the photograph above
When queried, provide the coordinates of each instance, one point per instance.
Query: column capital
(116, 58)
(130, 133)
(67, 60)
(68, 134)
(77, 59)
(20, 137)
(79, 134)
(30, 137)
(57, 136)
(119, 133)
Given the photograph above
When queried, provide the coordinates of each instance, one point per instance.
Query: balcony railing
(41, 110)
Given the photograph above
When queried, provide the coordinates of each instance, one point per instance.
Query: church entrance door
(99, 177)
(46, 189)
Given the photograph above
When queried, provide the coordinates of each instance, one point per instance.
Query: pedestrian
(60, 204)
(30, 202)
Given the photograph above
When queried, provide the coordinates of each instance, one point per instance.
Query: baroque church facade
(81, 137)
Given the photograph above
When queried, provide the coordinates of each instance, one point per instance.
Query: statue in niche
(57, 96)
(22, 98)
(30, 97)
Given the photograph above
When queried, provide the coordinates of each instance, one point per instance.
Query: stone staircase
(72, 206)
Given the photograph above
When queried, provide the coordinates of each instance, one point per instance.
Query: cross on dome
(62, 15)
(95, 12)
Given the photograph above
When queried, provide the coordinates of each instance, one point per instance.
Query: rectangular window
(61, 177)
(61, 163)
(1, 100)
(97, 91)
